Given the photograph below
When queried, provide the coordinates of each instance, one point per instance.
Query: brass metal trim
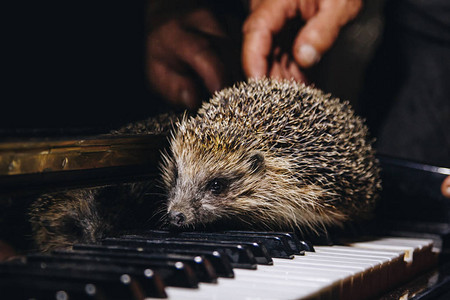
(27, 157)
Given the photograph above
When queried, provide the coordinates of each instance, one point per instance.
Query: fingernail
(308, 55)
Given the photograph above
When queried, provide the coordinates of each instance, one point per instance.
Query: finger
(291, 70)
(322, 30)
(195, 51)
(208, 66)
(284, 66)
(445, 187)
(276, 70)
(204, 21)
(296, 73)
(267, 19)
(254, 4)
(308, 9)
(255, 50)
(171, 51)
(175, 87)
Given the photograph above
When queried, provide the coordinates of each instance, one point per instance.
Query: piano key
(296, 245)
(113, 282)
(274, 282)
(336, 280)
(175, 273)
(419, 253)
(218, 260)
(276, 244)
(374, 276)
(299, 277)
(239, 255)
(200, 265)
(25, 287)
(331, 279)
(346, 272)
(408, 245)
(250, 289)
(373, 272)
(258, 249)
(331, 272)
(392, 261)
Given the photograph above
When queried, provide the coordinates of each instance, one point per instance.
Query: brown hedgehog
(86, 215)
(264, 154)
(271, 155)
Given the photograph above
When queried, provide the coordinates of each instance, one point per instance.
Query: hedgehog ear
(256, 162)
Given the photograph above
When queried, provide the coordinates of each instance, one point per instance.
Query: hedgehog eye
(217, 185)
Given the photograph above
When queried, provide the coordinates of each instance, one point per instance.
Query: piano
(406, 257)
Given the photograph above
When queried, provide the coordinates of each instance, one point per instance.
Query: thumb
(320, 32)
(445, 187)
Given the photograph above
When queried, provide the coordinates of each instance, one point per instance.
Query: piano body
(60, 59)
(404, 258)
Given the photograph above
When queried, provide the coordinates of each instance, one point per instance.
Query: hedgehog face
(315, 164)
(205, 187)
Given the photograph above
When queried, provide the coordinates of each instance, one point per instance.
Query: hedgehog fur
(86, 215)
(263, 154)
(271, 154)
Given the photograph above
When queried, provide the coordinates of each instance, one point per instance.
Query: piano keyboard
(229, 265)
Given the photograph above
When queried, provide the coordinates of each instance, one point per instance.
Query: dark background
(74, 67)
(73, 64)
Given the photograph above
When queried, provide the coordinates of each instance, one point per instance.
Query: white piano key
(391, 262)
(417, 243)
(313, 261)
(408, 245)
(356, 271)
(305, 273)
(359, 251)
(246, 286)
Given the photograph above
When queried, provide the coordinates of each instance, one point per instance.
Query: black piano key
(144, 282)
(293, 241)
(217, 258)
(26, 287)
(307, 246)
(279, 244)
(113, 283)
(276, 246)
(172, 273)
(257, 248)
(199, 264)
(239, 255)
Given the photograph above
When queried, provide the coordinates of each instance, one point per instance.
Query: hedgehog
(87, 215)
(263, 154)
(270, 154)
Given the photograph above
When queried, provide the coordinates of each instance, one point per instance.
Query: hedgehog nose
(177, 218)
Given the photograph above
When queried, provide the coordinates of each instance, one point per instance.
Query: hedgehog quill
(263, 154)
(272, 155)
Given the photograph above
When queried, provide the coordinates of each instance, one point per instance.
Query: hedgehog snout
(177, 219)
(180, 214)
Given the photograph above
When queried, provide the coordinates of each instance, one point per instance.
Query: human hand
(323, 21)
(445, 187)
(180, 59)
